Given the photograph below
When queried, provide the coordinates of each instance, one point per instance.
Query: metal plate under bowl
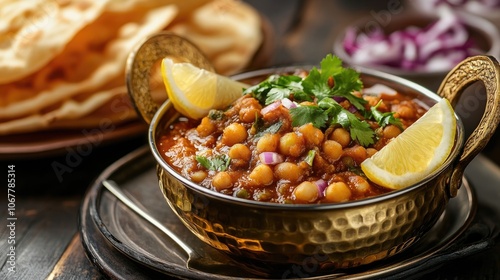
(123, 245)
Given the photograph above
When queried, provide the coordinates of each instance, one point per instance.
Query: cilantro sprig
(216, 163)
(384, 119)
(330, 112)
(323, 86)
(345, 80)
(277, 87)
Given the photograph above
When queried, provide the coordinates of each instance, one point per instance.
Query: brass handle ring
(478, 68)
(141, 61)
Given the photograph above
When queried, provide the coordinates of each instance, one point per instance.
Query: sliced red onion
(412, 48)
(378, 89)
(287, 103)
(468, 3)
(270, 158)
(271, 107)
(321, 184)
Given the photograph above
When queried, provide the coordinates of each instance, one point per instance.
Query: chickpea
(360, 183)
(288, 171)
(262, 175)
(348, 161)
(248, 114)
(306, 191)
(198, 176)
(372, 100)
(370, 152)
(250, 102)
(206, 127)
(342, 136)
(357, 153)
(234, 133)
(240, 151)
(292, 144)
(268, 143)
(337, 192)
(332, 149)
(311, 134)
(391, 131)
(222, 180)
(308, 103)
(405, 112)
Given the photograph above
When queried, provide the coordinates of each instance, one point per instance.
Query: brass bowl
(331, 236)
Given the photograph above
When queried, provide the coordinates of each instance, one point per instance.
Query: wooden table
(46, 207)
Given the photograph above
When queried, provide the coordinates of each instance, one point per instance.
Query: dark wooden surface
(48, 244)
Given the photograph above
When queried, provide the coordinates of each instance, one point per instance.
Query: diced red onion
(271, 107)
(339, 98)
(321, 184)
(270, 158)
(352, 109)
(287, 103)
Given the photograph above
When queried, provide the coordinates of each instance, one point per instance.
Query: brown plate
(130, 246)
(53, 143)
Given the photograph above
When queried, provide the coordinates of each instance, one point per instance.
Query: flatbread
(228, 32)
(80, 80)
(110, 107)
(184, 7)
(33, 32)
(96, 55)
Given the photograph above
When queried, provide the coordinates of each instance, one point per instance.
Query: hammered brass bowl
(331, 236)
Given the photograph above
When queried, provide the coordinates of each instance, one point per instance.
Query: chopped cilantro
(310, 157)
(346, 81)
(278, 87)
(272, 129)
(258, 125)
(308, 114)
(216, 163)
(359, 130)
(385, 119)
(215, 115)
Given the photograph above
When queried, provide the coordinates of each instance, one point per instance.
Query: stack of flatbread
(62, 62)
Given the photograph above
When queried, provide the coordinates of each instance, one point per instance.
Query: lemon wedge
(416, 152)
(194, 91)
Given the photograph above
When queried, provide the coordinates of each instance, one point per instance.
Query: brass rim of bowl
(489, 31)
(459, 142)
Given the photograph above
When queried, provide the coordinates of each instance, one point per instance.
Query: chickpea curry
(293, 138)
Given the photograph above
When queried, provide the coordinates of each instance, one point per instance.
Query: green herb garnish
(309, 114)
(324, 86)
(272, 129)
(216, 115)
(384, 119)
(277, 87)
(359, 130)
(345, 82)
(216, 163)
(310, 157)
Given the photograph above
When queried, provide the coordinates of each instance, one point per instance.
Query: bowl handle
(141, 61)
(477, 68)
